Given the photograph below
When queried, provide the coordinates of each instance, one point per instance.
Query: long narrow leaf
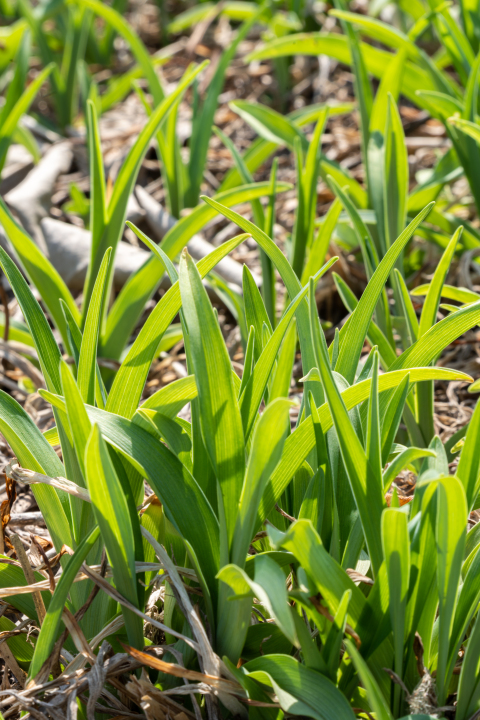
(112, 514)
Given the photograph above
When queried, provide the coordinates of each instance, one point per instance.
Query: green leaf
(269, 291)
(352, 337)
(13, 576)
(423, 594)
(266, 449)
(124, 28)
(87, 363)
(390, 84)
(98, 203)
(400, 462)
(18, 644)
(130, 303)
(466, 606)
(394, 38)
(79, 423)
(364, 480)
(255, 312)
(300, 691)
(432, 301)
(129, 382)
(17, 331)
(75, 338)
(302, 236)
(113, 517)
(303, 439)
(330, 169)
(39, 270)
(269, 587)
(334, 641)
(178, 491)
(192, 16)
(406, 307)
(45, 344)
(169, 400)
(386, 34)
(375, 336)
(248, 361)
(203, 119)
(319, 248)
(396, 175)
(373, 444)
(220, 418)
(125, 182)
(446, 170)
(364, 237)
(468, 469)
(10, 122)
(80, 428)
(425, 392)
(461, 295)
(362, 87)
(280, 384)
(247, 177)
(17, 84)
(51, 623)
(431, 344)
(173, 432)
(255, 388)
(329, 579)
(288, 276)
(269, 124)
(450, 538)
(376, 700)
(34, 452)
(369, 253)
(336, 46)
(454, 41)
(396, 550)
(391, 419)
(469, 682)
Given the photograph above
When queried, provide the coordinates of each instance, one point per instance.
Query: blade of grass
(10, 122)
(468, 465)
(34, 453)
(125, 182)
(129, 382)
(123, 28)
(87, 362)
(368, 495)
(396, 549)
(357, 328)
(113, 517)
(450, 537)
(424, 394)
(255, 388)
(221, 420)
(130, 303)
(303, 439)
(39, 270)
(51, 623)
(203, 120)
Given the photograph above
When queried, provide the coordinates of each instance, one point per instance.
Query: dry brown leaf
(6, 509)
(219, 683)
(143, 691)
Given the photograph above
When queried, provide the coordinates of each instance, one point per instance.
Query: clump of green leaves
(366, 606)
(404, 67)
(220, 477)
